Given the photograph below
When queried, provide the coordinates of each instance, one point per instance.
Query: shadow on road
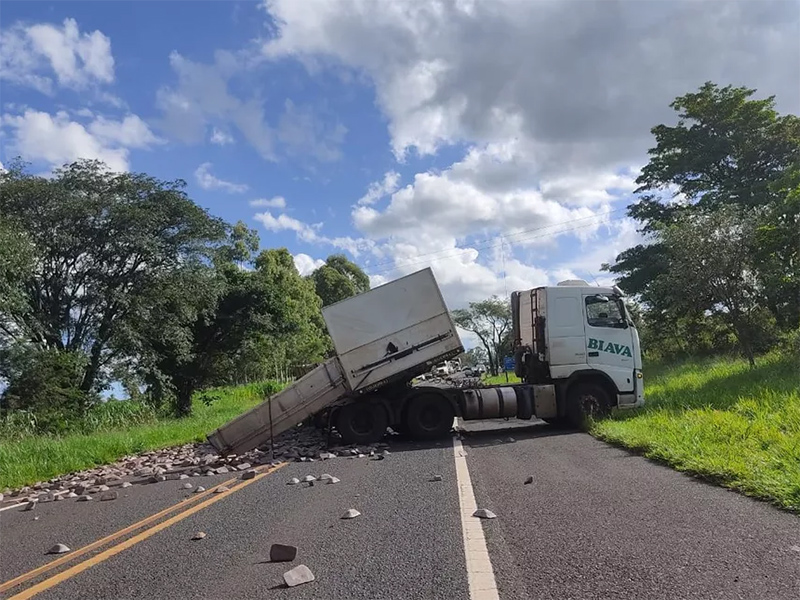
(483, 434)
(500, 435)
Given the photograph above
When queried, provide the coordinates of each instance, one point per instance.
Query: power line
(467, 250)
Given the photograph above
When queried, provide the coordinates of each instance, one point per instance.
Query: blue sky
(496, 141)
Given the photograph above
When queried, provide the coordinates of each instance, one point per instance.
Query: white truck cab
(581, 339)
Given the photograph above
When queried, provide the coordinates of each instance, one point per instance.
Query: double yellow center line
(186, 508)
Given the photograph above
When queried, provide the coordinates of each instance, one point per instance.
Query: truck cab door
(609, 339)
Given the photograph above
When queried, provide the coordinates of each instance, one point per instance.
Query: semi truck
(576, 349)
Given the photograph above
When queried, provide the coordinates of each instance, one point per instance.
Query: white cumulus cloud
(380, 189)
(31, 54)
(131, 132)
(203, 96)
(554, 104)
(587, 84)
(220, 137)
(276, 202)
(207, 181)
(305, 264)
(56, 139)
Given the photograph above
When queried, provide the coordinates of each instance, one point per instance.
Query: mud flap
(524, 402)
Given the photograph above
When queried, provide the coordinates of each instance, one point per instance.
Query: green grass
(720, 420)
(28, 459)
(500, 379)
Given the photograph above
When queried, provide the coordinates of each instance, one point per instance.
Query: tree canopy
(120, 276)
(339, 278)
(99, 241)
(718, 201)
(490, 321)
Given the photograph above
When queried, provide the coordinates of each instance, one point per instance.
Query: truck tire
(362, 422)
(586, 402)
(429, 416)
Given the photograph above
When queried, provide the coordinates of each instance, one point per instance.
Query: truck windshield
(603, 311)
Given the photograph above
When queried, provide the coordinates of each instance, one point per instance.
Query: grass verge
(36, 458)
(501, 379)
(720, 420)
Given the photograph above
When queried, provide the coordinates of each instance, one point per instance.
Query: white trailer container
(385, 336)
(393, 331)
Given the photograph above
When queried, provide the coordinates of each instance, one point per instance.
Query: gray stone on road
(351, 513)
(59, 549)
(282, 553)
(483, 513)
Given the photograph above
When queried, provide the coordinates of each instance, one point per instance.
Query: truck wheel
(429, 416)
(361, 423)
(585, 402)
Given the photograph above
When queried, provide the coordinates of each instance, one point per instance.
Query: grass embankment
(500, 379)
(721, 420)
(25, 459)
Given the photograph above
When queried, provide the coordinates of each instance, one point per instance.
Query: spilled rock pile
(298, 444)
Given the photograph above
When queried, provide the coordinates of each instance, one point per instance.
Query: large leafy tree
(338, 279)
(242, 323)
(100, 243)
(713, 271)
(727, 150)
(299, 336)
(490, 321)
(16, 265)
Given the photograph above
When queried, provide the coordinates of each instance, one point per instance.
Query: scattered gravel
(300, 444)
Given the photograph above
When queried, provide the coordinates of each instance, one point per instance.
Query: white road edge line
(480, 573)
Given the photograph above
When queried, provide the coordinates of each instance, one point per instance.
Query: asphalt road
(595, 523)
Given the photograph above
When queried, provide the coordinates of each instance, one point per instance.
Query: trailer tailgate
(306, 396)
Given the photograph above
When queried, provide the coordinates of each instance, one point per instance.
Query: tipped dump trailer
(383, 339)
(576, 350)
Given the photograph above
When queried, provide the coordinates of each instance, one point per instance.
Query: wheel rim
(430, 417)
(590, 405)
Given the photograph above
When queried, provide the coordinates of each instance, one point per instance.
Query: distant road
(595, 523)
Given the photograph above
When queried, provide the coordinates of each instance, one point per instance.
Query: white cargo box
(400, 327)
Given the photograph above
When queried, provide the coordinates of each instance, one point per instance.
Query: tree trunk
(183, 400)
(744, 340)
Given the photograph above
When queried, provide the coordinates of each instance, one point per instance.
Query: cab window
(604, 311)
